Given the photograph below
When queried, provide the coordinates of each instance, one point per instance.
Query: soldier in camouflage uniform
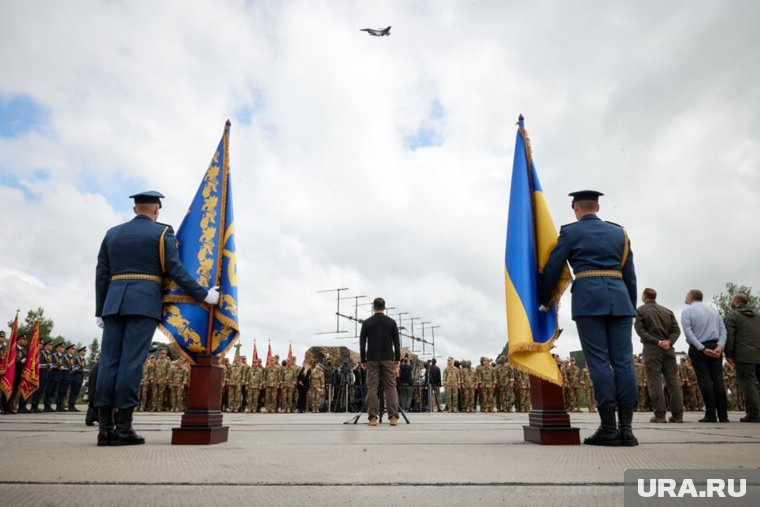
(178, 382)
(272, 383)
(503, 377)
(186, 389)
(244, 385)
(255, 383)
(160, 381)
(732, 391)
(225, 364)
(567, 392)
(467, 382)
(289, 380)
(523, 386)
(571, 375)
(451, 380)
(146, 382)
(588, 388)
(486, 383)
(316, 388)
(641, 382)
(688, 379)
(234, 384)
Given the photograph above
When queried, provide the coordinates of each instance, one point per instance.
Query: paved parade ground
(314, 459)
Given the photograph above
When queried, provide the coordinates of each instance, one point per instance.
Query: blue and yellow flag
(531, 236)
(206, 241)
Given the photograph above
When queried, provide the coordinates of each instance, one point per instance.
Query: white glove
(212, 297)
(542, 308)
(23, 361)
(99, 322)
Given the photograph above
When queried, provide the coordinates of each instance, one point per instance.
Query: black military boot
(124, 434)
(625, 417)
(92, 416)
(105, 428)
(607, 434)
(48, 408)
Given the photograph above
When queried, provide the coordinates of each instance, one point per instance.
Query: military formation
(489, 387)
(62, 371)
(164, 384)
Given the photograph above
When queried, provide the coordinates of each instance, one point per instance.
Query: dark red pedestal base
(549, 421)
(202, 421)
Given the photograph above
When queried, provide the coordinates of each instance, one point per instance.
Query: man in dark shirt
(658, 330)
(434, 376)
(380, 354)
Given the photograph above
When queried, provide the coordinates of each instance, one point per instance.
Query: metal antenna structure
(337, 311)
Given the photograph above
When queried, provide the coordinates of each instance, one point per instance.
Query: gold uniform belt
(136, 276)
(599, 272)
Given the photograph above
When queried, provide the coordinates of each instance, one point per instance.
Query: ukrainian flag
(531, 236)
(206, 241)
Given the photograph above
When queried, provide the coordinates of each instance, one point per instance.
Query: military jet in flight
(377, 32)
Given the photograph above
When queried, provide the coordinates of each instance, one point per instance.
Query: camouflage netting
(320, 353)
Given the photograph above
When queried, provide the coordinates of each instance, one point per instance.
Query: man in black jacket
(380, 354)
(434, 377)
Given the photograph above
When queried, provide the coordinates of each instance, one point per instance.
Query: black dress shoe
(35, 410)
(725, 420)
(749, 418)
(48, 408)
(708, 420)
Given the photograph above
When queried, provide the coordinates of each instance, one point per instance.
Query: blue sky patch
(428, 133)
(246, 112)
(19, 115)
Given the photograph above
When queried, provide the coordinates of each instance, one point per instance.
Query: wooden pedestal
(549, 421)
(202, 420)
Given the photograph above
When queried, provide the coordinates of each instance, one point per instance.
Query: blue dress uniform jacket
(133, 258)
(603, 303)
(133, 248)
(592, 244)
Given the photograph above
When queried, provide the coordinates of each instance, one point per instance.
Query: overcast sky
(378, 164)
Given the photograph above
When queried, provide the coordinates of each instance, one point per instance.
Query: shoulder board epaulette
(613, 223)
(569, 225)
(171, 229)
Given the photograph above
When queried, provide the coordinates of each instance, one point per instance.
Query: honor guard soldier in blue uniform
(133, 258)
(46, 360)
(56, 373)
(77, 378)
(603, 307)
(67, 371)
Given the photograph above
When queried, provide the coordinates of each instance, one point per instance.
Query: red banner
(30, 378)
(8, 364)
(269, 354)
(255, 353)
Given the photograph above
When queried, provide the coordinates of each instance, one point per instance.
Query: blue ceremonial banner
(206, 240)
(531, 236)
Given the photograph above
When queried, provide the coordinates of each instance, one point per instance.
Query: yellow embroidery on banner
(208, 220)
(173, 317)
(220, 336)
(229, 305)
